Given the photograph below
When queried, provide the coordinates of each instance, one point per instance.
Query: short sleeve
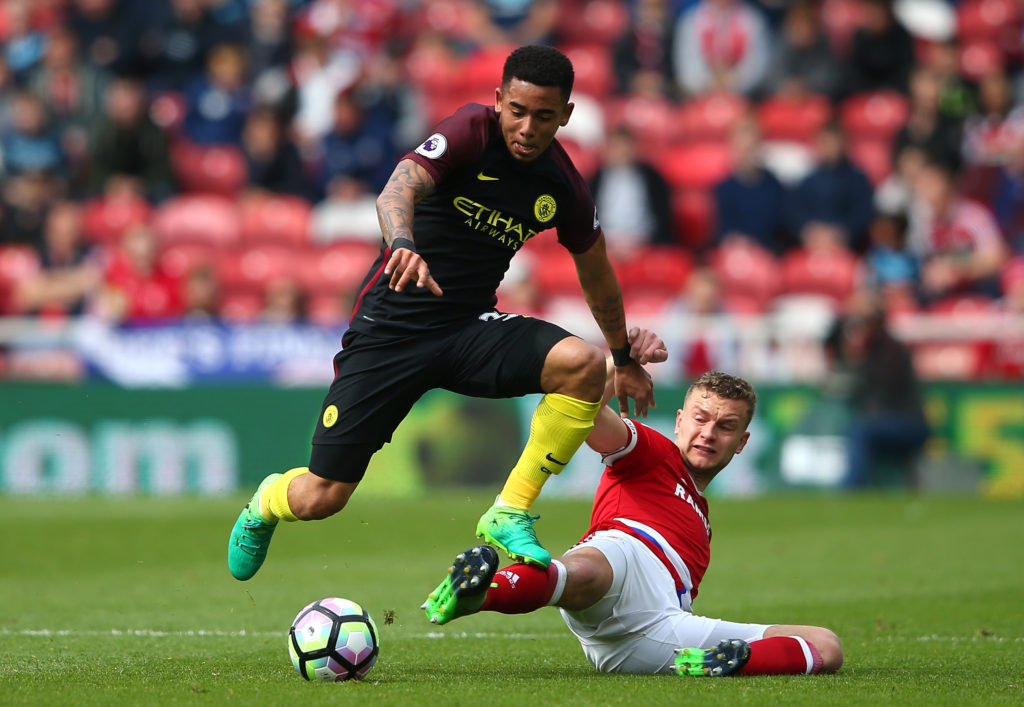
(455, 142)
(579, 228)
(639, 453)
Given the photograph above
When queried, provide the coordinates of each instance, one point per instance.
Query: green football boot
(465, 588)
(511, 530)
(250, 538)
(727, 658)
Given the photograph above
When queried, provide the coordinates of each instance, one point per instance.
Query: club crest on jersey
(544, 208)
(433, 147)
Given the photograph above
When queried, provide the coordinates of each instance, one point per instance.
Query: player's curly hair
(726, 386)
(541, 66)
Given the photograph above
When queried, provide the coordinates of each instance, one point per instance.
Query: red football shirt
(646, 491)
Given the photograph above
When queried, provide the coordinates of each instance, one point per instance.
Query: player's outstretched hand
(407, 266)
(632, 381)
(646, 347)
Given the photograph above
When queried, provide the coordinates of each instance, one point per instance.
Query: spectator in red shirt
(136, 287)
(959, 241)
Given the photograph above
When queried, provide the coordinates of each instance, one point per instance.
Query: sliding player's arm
(610, 432)
(408, 184)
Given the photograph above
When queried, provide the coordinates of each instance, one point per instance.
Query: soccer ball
(333, 639)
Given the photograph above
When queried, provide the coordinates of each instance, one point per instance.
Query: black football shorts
(377, 381)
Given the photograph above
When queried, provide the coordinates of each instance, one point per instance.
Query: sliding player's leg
(780, 650)
(474, 583)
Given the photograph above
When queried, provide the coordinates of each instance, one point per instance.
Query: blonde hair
(726, 386)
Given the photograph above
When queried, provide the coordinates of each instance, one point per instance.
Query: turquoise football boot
(511, 530)
(250, 538)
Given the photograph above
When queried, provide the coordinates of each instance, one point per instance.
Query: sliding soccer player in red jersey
(625, 589)
(453, 214)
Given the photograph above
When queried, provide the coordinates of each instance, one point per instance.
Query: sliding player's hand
(632, 381)
(405, 266)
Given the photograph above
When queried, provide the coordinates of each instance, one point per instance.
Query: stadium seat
(241, 306)
(198, 218)
(987, 19)
(179, 259)
(440, 105)
(556, 275)
(710, 117)
(209, 169)
(747, 271)
(649, 307)
(328, 309)
(594, 21)
(698, 165)
(873, 155)
(794, 119)
(481, 70)
(874, 114)
(251, 267)
(980, 58)
(275, 218)
(656, 269)
(833, 274)
(592, 64)
(104, 219)
(336, 268)
(693, 211)
(431, 65)
(586, 160)
(651, 120)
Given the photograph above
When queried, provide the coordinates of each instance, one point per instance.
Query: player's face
(530, 115)
(710, 430)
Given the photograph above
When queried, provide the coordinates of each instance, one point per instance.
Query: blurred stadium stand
(439, 59)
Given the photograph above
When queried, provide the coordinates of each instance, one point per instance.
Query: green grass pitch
(130, 602)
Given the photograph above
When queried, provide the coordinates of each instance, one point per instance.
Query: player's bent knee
(589, 576)
(828, 645)
(575, 368)
(830, 649)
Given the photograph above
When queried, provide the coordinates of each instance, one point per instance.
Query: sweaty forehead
(711, 402)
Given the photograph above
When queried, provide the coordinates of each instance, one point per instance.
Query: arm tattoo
(603, 295)
(409, 183)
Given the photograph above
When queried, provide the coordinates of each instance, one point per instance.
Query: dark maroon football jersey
(484, 207)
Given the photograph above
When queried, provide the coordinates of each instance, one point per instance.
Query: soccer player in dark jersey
(454, 212)
(625, 589)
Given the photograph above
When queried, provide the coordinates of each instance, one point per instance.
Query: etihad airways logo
(492, 222)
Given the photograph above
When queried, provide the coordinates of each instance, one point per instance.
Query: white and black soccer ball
(333, 639)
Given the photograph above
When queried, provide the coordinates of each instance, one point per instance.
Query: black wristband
(620, 356)
(406, 243)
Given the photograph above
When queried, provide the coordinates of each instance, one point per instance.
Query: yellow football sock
(560, 425)
(274, 499)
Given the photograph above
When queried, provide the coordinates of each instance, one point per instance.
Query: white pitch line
(431, 635)
(143, 632)
(202, 633)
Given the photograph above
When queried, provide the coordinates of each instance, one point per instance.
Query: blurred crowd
(219, 159)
